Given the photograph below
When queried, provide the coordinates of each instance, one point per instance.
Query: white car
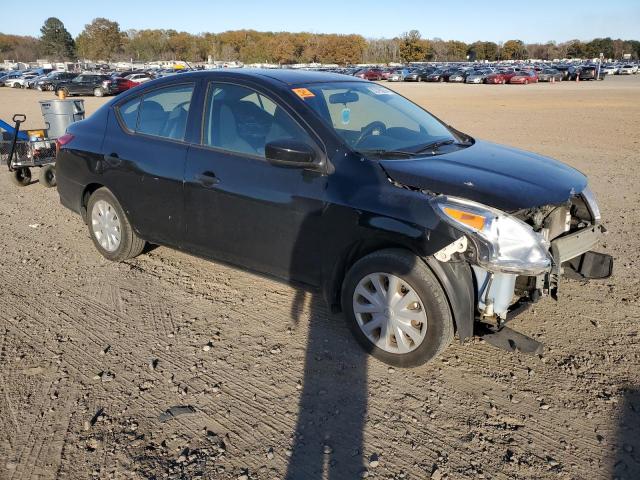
(138, 77)
(609, 69)
(18, 82)
(627, 70)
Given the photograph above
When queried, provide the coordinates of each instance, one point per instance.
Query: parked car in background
(478, 76)
(436, 76)
(139, 77)
(53, 79)
(609, 69)
(568, 71)
(8, 77)
(84, 84)
(398, 75)
(418, 75)
(524, 77)
(258, 169)
(386, 73)
(374, 74)
(455, 76)
(589, 72)
(626, 70)
(18, 82)
(116, 85)
(550, 74)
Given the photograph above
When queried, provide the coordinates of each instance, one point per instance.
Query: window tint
(163, 112)
(129, 113)
(241, 120)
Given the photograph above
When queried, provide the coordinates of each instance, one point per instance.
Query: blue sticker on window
(346, 116)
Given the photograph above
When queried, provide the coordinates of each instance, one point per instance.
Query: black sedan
(411, 228)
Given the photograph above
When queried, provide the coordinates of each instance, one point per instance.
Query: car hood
(502, 177)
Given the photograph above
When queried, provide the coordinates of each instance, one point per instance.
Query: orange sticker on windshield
(303, 92)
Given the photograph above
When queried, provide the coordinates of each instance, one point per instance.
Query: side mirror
(290, 153)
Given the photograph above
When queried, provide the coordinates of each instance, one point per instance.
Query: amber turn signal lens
(470, 219)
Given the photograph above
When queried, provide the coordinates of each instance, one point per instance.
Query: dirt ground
(94, 355)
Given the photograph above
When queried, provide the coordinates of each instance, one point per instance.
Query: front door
(240, 208)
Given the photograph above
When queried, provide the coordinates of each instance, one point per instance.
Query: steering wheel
(369, 130)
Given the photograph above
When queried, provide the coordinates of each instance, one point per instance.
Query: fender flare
(457, 280)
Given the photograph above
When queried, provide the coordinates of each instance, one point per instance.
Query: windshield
(370, 117)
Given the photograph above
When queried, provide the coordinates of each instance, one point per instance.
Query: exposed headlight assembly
(503, 243)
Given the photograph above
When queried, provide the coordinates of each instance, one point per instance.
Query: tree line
(102, 39)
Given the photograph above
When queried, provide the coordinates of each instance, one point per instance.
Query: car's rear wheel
(47, 176)
(110, 229)
(396, 308)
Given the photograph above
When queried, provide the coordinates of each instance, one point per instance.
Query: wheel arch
(456, 279)
(84, 200)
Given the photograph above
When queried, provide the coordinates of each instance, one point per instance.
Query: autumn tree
(19, 48)
(456, 50)
(412, 47)
(514, 50)
(100, 40)
(56, 41)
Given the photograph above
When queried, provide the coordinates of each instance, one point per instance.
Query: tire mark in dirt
(124, 350)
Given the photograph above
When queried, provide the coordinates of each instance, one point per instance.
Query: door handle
(207, 179)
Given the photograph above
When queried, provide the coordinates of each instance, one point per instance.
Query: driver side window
(242, 120)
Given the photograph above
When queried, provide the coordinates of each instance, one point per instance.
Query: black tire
(21, 176)
(130, 244)
(47, 176)
(415, 272)
(98, 92)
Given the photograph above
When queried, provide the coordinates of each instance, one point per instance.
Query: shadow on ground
(328, 439)
(627, 443)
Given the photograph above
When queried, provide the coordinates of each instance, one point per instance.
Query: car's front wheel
(110, 229)
(98, 92)
(396, 308)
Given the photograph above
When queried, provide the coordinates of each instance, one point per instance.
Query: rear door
(145, 149)
(239, 207)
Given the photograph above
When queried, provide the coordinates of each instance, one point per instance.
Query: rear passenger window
(161, 113)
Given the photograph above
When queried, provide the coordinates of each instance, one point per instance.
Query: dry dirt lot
(93, 354)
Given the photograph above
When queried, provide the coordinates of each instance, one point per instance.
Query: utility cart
(21, 155)
(22, 151)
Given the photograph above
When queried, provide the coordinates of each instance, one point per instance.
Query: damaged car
(414, 230)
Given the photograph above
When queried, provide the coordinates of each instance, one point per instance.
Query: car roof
(285, 76)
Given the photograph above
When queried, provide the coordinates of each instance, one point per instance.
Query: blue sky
(497, 20)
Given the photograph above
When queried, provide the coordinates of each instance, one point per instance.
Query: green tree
(456, 50)
(56, 41)
(514, 50)
(575, 49)
(412, 47)
(100, 40)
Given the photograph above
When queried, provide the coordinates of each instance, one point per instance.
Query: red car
(369, 74)
(387, 72)
(501, 77)
(524, 77)
(116, 85)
